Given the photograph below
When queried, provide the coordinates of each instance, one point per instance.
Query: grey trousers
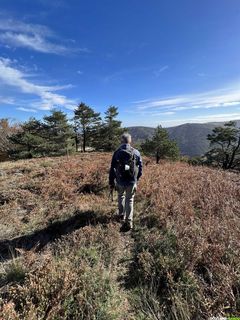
(125, 200)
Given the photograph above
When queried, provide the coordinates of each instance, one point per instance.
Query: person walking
(125, 171)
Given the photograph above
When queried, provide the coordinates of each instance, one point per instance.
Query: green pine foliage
(161, 146)
(54, 135)
(110, 131)
(28, 141)
(87, 124)
(50, 137)
(225, 143)
(57, 133)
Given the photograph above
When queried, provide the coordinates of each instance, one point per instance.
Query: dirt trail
(124, 260)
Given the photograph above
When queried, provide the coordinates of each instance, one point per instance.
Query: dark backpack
(126, 169)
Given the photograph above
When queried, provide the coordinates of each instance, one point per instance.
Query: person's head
(126, 138)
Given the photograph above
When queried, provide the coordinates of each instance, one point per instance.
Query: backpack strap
(132, 152)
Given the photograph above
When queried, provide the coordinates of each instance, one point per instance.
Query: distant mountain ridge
(190, 137)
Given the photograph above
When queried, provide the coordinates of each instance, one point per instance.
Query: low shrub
(72, 282)
(187, 246)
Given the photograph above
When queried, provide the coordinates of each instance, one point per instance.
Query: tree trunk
(234, 154)
(84, 140)
(157, 157)
(76, 143)
(29, 152)
(225, 162)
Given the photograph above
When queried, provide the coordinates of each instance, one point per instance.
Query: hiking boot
(129, 225)
(126, 226)
(120, 218)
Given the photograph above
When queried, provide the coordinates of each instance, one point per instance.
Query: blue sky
(160, 62)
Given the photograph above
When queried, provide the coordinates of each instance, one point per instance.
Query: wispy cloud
(13, 77)
(7, 100)
(167, 113)
(160, 70)
(120, 75)
(223, 117)
(31, 41)
(205, 100)
(217, 117)
(36, 37)
(26, 109)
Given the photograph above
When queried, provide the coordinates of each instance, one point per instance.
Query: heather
(63, 256)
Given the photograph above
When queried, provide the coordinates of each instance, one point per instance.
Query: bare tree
(7, 128)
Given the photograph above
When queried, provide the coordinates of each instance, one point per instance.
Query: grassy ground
(63, 257)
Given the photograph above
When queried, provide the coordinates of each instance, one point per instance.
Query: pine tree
(111, 130)
(225, 142)
(58, 134)
(50, 137)
(161, 146)
(28, 141)
(86, 121)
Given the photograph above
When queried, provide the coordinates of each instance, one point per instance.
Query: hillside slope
(63, 255)
(191, 137)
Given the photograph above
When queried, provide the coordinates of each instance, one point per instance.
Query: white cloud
(31, 41)
(18, 26)
(233, 103)
(32, 36)
(167, 113)
(160, 70)
(211, 99)
(7, 100)
(223, 117)
(141, 101)
(119, 75)
(26, 109)
(217, 117)
(13, 77)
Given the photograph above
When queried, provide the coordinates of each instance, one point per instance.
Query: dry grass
(188, 247)
(184, 260)
(36, 192)
(70, 280)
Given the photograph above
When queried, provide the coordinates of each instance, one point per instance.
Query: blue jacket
(112, 173)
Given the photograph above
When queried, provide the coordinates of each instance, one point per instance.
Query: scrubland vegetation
(63, 257)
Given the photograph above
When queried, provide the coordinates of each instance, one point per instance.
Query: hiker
(126, 169)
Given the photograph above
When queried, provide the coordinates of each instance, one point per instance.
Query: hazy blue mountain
(191, 137)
